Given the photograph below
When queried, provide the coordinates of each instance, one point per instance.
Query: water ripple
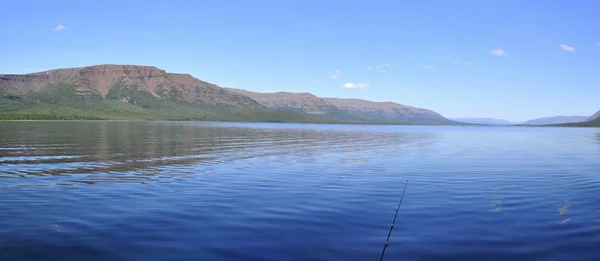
(236, 191)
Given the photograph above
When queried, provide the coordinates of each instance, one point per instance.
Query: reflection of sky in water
(495, 190)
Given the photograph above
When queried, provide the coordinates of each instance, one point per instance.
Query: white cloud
(598, 44)
(462, 63)
(350, 85)
(567, 48)
(380, 67)
(498, 52)
(336, 74)
(428, 67)
(59, 28)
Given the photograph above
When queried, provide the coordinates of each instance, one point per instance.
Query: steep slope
(556, 120)
(594, 117)
(484, 121)
(146, 92)
(125, 81)
(592, 123)
(127, 92)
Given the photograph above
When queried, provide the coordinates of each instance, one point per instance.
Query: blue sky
(500, 59)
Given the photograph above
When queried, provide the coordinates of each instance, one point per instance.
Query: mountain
(124, 82)
(148, 93)
(594, 117)
(387, 111)
(127, 92)
(556, 120)
(346, 110)
(303, 102)
(483, 121)
(593, 121)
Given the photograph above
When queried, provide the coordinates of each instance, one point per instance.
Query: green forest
(65, 102)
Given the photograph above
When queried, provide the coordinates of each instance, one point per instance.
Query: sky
(514, 60)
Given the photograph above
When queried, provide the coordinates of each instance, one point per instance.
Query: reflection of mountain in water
(563, 210)
(130, 151)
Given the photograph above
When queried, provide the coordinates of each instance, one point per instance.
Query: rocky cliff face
(101, 79)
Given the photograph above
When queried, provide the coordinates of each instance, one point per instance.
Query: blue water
(236, 191)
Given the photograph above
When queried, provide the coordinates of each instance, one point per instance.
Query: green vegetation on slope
(594, 123)
(66, 94)
(68, 102)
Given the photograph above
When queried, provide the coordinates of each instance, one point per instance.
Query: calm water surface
(227, 191)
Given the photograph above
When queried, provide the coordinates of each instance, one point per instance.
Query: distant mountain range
(556, 120)
(149, 93)
(483, 121)
(346, 110)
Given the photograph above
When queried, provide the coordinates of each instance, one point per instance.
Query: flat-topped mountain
(387, 111)
(121, 81)
(145, 92)
(347, 110)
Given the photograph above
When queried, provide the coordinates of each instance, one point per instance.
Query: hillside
(149, 93)
(346, 110)
(594, 117)
(127, 92)
(593, 123)
(387, 111)
(303, 102)
(556, 120)
(124, 82)
(483, 121)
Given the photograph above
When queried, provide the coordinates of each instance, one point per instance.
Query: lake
(237, 191)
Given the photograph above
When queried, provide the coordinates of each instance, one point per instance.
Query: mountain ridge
(345, 109)
(155, 89)
(483, 121)
(594, 117)
(556, 120)
(101, 78)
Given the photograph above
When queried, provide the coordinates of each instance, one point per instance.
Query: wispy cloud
(59, 28)
(567, 48)
(335, 74)
(380, 67)
(598, 44)
(462, 63)
(498, 52)
(350, 85)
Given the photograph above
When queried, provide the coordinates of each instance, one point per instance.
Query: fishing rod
(393, 221)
